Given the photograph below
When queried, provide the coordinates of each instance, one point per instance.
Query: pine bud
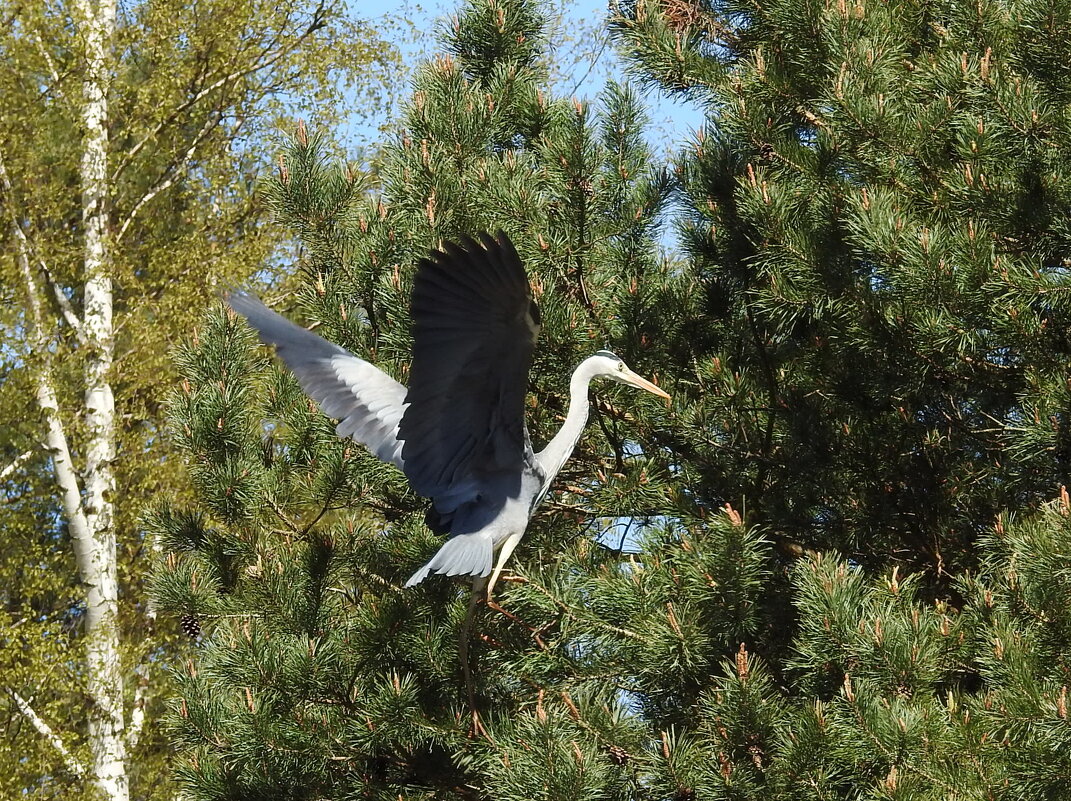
(891, 779)
(742, 666)
(573, 711)
(733, 515)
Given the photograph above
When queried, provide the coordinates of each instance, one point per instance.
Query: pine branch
(578, 614)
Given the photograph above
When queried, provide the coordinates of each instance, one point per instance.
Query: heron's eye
(620, 367)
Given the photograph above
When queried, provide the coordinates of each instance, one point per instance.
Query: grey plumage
(474, 333)
(367, 402)
(458, 432)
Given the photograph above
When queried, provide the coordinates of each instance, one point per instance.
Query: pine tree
(876, 227)
(877, 220)
(318, 676)
(834, 569)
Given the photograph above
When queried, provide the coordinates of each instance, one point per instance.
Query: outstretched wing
(475, 326)
(367, 402)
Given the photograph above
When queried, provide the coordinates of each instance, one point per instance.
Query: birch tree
(131, 144)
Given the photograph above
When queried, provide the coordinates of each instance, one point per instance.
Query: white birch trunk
(96, 557)
(55, 437)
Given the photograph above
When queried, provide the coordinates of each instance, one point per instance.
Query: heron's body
(458, 431)
(478, 534)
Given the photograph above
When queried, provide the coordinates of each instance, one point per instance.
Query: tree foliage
(877, 222)
(833, 569)
(194, 95)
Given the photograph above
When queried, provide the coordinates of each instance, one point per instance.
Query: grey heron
(458, 431)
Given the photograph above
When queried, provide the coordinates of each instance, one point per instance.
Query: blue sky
(586, 58)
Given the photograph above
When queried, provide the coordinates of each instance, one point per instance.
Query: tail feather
(463, 555)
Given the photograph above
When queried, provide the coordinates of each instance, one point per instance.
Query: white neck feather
(560, 448)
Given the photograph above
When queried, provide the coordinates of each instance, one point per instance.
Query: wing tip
(241, 301)
(467, 246)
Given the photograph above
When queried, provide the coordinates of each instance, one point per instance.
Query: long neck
(560, 448)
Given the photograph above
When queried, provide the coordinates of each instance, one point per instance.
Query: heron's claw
(511, 578)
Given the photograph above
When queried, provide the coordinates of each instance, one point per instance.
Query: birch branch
(72, 764)
(171, 173)
(28, 253)
(23, 255)
(66, 309)
(18, 462)
(137, 714)
(182, 108)
(314, 25)
(56, 436)
(56, 78)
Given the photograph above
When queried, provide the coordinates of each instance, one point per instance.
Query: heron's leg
(478, 585)
(504, 553)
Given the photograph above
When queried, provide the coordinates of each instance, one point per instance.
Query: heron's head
(613, 367)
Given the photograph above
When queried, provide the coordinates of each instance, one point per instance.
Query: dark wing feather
(475, 326)
(367, 402)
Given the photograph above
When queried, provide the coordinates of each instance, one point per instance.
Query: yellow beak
(635, 380)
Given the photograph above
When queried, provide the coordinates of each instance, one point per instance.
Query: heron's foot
(512, 578)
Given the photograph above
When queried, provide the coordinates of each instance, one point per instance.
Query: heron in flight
(458, 431)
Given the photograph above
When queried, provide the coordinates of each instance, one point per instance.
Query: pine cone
(190, 626)
(684, 794)
(618, 755)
